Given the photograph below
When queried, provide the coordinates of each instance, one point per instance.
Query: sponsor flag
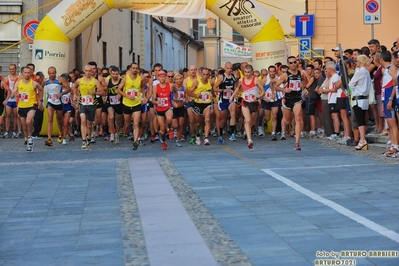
(233, 50)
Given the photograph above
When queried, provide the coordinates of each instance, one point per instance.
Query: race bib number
(133, 93)
(87, 100)
(113, 100)
(227, 94)
(180, 95)
(66, 99)
(249, 97)
(23, 97)
(205, 96)
(52, 97)
(163, 102)
(295, 85)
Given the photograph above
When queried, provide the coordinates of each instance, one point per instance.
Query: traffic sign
(304, 26)
(372, 11)
(30, 29)
(305, 47)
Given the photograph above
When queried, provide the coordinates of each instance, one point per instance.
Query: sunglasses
(170, 76)
(146, 76)
(292, 62)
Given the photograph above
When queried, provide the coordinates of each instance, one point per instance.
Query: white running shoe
(198, 140)
(333, 137)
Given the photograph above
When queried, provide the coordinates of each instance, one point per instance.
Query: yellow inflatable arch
(71, 17)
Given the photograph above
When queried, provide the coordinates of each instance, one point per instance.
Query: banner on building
(233, 50)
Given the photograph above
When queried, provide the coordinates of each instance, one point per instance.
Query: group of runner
(233, 100)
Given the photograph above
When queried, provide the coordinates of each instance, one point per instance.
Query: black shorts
(57, 107)
(89, 111)
(239, 100)
(130, 110)
(100, 102)
(333, 107)
(341, 103)
(73, 112)
(199, 108)
(1, 109)
(252, 106)
(117, 108)
(289, 103)
(162, 113)
(104, 108)
(310, 108)
(268, 105)
(23, 112)
(179, 112)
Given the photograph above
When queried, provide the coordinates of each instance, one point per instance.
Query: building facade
(118, 38)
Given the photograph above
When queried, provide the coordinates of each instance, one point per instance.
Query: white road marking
(344, 211)
(324, 166)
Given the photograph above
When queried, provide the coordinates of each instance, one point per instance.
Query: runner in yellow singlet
(132, 90)
(201, 91)
(25, 89)
(86, 88)
(187, 84)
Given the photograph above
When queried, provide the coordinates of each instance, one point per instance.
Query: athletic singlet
(97, 96)
(397, 89)
(112, 97)
(26, 94)
(189, 85)
(294, 83)
(164, 97)
(66, 98)
(10, 84)
(227, 87)
(132, 88)
(387, 85)
(180, 96)
(204, 91)
(250, 91)
(269, 92)
(84, 87)
(53, 88)
(2, 98)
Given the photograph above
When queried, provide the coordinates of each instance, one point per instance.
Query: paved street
(207, 205)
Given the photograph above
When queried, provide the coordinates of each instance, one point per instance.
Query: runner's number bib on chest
(87, 100)
(163, 102)
(180, 95)
(23, 97)
(133, 93)
(295, 85)
(205, 96)
(113, 100)
(227, 94)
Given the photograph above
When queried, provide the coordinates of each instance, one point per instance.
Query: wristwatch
(390, 99)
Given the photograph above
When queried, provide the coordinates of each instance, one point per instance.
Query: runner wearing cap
(162, 100)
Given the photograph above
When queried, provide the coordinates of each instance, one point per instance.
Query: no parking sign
(372, 11)
(30, 29)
